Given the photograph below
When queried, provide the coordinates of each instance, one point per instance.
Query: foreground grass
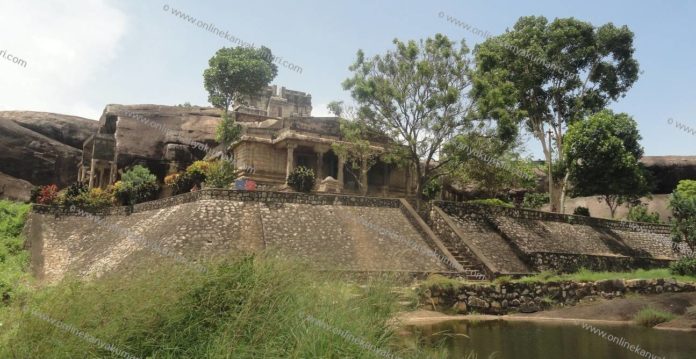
(650, 317)
(13, 259)
(251, 307)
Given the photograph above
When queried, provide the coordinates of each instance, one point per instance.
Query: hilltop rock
(42, 148)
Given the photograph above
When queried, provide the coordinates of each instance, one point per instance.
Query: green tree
(233, 75)
(415, 94)
(602, 158)
(547, 75)
(683, 204)
(136, 185)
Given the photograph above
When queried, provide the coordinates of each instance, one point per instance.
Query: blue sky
(84, 54)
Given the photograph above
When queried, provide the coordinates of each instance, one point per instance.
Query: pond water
(533, 340)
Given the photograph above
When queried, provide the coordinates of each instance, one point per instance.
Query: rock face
(669, 170)
(14, 188)
(42, 148)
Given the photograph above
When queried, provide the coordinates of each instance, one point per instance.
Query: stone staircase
(471, 271)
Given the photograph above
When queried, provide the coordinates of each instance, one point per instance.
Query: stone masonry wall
(328, 231)
(565, 243)
(533, 297)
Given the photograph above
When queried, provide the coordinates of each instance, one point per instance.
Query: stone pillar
(79, 173)
(92, 166)
(290, 161)
(101, 176)
(112, 173)
(341, 164)
(320, 164)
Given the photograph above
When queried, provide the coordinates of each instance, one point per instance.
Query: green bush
(683, 204)
(220, 174)
(535, 200)
(136, 185)
(301, 179)
(640, 213)
(650, 317)
(581, 211)
(684, 266)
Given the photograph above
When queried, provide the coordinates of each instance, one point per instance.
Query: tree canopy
(602, 158)
(546, 75)
(683, 204)
(237, 72)
(417, 94)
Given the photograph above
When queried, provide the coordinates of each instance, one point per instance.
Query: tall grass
(584, 275)
(650, 317)
(13, 259)
(253, 307)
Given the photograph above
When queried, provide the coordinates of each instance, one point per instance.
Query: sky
(76, 56)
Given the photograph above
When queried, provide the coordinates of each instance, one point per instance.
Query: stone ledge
(533, 297)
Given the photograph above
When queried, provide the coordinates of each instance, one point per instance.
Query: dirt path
(603, 311)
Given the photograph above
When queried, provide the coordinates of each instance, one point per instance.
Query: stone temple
(278, 134)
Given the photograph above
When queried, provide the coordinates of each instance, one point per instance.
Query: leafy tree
(547, 75)
(602, 156)
(234, 74)
(335, 107)
(415, 94)
(489, 163)
(683, 204)
(220, 174)
(535, 200)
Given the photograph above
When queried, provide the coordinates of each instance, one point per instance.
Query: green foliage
(336, 108)
(585, 275)
(582, 211)
(13, 257)
(650, 317)
(602, 157)
(683, 204)
(355, 147)
(301, 179)
(136, 185)
(684, 266)
(640, 213)
(234, 73)
(250, 307)
(220, 174)
(488, 163)
(417, 95)
(432, 189)
(535, 200)
(491, 202)
(228, 130)
(548, 74)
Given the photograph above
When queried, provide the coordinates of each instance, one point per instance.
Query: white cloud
(64, 43)
(320, 110)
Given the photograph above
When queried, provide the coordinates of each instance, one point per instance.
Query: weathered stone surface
(42, 148)
(327, 231)
(14, 188)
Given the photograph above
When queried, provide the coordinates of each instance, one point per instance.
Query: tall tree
(547, 75)
(683, 204)
(602, 158)
(233, 75)
(417, 95)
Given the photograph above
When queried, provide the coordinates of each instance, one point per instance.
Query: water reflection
(533, 340)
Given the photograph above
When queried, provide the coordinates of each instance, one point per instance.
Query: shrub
(581, 211)
(136, 185)
(197, 171)
(490, 202)
(301, 179)
(640, 213)
(683, 204)
(431, 189)
(650, 317)
(95, 199)
(684, 266)
(47, 194)
(535, 200)
(220, 174)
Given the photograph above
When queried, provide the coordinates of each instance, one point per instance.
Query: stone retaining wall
(533, 297)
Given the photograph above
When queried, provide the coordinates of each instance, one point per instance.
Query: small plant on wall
(301, 179)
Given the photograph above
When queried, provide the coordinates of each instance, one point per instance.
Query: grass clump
(584, 275)
(251, 307)
(650, 317)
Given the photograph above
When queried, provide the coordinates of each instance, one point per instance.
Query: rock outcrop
(669, 170)
(42, 148)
